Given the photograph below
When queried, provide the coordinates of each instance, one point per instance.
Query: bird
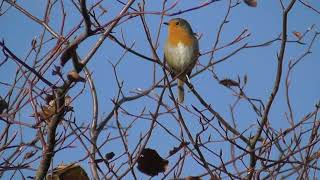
(181, 51)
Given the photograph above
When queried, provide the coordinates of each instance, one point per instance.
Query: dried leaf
(297, 34)
(72, 171)
(151, 163)
(3, 105)
(109, 155)
(46, 112)
(75, 77)
(176, 149)
(229, 83)
(251, 3)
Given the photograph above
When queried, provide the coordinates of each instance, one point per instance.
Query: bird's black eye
(177, 23)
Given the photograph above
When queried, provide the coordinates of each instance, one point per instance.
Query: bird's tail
(180, 91)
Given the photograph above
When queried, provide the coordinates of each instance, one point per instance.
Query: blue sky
(259, 64)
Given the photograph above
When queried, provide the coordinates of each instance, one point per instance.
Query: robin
(181, 51)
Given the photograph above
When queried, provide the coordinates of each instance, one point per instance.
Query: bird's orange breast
(179, 35)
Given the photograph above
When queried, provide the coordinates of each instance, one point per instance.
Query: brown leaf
(229, 83)
(75, 77)
(176, 149)
(109, 155)
(297, 34)
(72, 171)
(151, 163)
(46, 112)
(3, 105)
(251, 3)
(49, 110)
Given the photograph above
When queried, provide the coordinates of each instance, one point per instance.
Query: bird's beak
(166, 23)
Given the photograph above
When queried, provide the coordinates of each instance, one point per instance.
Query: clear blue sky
(259, 64)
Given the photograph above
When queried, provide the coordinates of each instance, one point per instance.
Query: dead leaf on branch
(66, 172)
(297, 34)
(3, 105)
(49, 110)
(46, 112)
(229, 83)
(109, 155)
(151, 163)
(251, 3)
